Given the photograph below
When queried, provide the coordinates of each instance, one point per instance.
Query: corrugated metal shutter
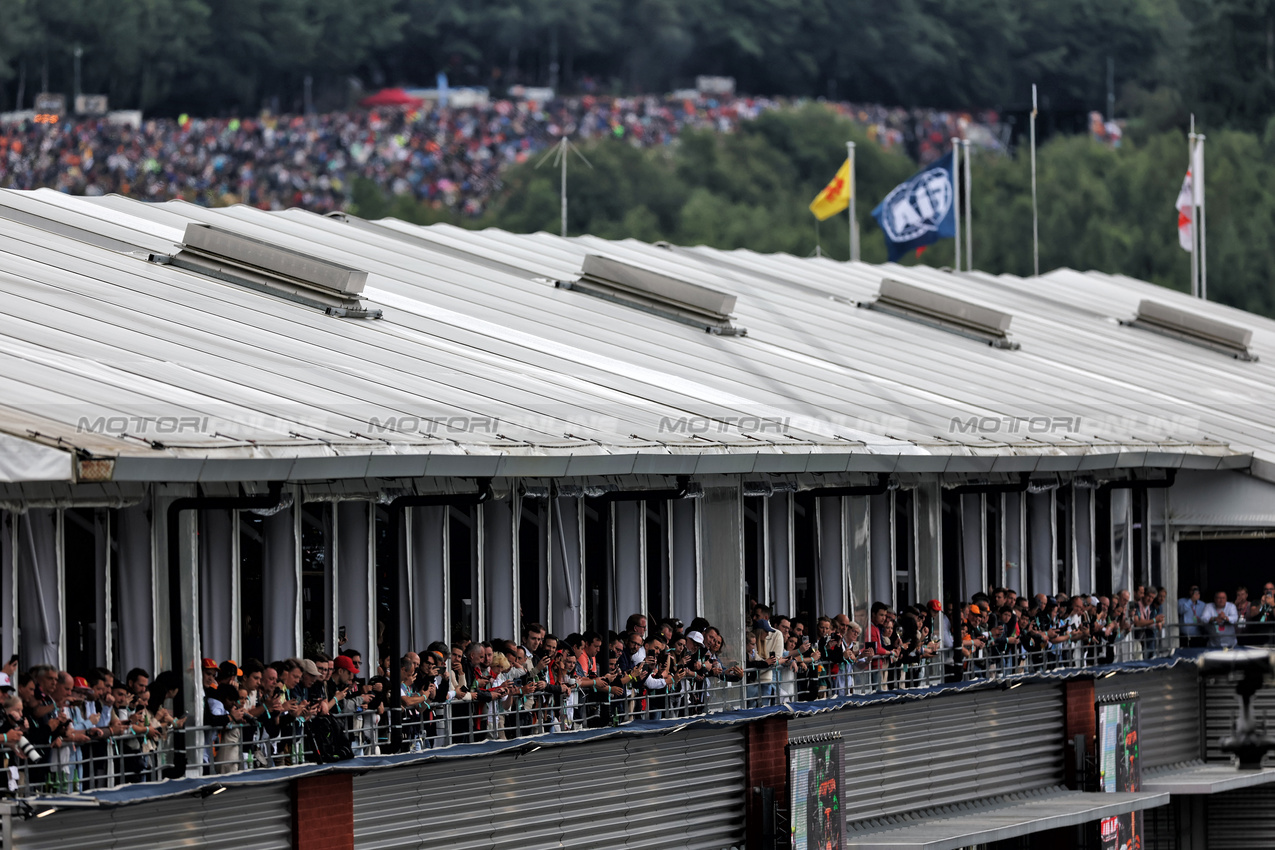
(903, 756)
(1242, 820)
(1169, 712)
(683, 790)
(1221, 705)
(258, 818)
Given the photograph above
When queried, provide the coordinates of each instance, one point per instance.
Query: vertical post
(1197, 182)
(854, 222)
(562, 154)
(956, 196)
(969, 219)
(1035, 218)
(1195, 229)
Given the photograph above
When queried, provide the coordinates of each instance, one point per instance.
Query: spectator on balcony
(1219, 620)
(1191, 616)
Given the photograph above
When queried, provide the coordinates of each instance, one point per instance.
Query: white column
(777, 526)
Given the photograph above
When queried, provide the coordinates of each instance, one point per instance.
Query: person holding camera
(1219, 619)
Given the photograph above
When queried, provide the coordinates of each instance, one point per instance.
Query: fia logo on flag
(917, 207)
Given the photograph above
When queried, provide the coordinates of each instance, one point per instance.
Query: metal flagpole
(563, 156)
(854, 223)
(559, 154)
(1195, 230)
(1197, 183)
(956, 195)
(969, 218)
(1035, 217)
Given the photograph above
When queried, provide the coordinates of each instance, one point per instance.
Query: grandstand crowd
(72, 733)
(446, 157)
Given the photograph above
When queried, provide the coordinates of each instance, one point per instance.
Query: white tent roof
(483, 367)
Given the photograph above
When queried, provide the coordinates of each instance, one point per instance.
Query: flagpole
(1204, 263)
(969, 217)
(854, 240)
(564, 184)
(1035, 217)
(956, 195)
(1195, 230)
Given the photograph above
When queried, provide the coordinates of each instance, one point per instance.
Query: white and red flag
(1189, 197)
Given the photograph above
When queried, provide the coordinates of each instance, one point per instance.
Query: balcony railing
(64, 768)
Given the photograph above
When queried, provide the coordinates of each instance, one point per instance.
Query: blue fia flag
(920, 211)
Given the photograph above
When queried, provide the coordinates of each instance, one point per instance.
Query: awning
(971, 823)
(26, 460)
(1201, 778)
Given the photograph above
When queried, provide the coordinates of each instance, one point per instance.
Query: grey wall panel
(1169, 712)
(1242, 820)
(881, 548)
(900, 757)
(629, 793)
(1221, 706)
(259, 818)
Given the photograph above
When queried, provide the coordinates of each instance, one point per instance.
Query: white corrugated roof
(487, 369)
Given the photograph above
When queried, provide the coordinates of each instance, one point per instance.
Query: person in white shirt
(1219, 620)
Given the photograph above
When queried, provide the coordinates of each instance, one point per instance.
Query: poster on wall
(814, 793)
(1119, 766)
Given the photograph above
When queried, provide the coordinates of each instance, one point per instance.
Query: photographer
(18, 751)
(1220, 618)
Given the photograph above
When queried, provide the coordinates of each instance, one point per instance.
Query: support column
(323, 812)
(766, 766)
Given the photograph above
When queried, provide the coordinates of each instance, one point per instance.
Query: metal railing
(164, 751)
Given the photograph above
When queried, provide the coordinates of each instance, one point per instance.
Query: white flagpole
(563, 157)
(969, 217)
(956, 196)
(1195, 224)
(1035, 218)
(1199, 194)
(854, 224)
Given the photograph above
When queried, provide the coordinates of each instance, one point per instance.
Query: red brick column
(323, 813)
(766, 765)
(1078, 696)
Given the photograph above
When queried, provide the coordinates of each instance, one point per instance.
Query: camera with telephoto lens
(27, 749)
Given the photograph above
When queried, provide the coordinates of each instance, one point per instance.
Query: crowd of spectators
(67, 733)
(447, 157)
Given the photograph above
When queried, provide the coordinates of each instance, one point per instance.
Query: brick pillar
(766, 765)
(1078, 695)
(323, 813)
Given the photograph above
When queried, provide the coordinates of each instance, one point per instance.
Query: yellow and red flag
(835, 197)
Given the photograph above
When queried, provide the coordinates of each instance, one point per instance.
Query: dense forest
(212, 57)
(1101, 207)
